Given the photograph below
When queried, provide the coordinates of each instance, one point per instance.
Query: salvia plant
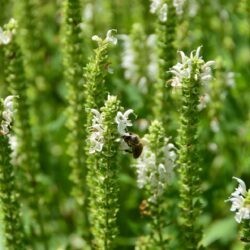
(189, 75)
(9, 194)
(155, 172)
(24, 153)
(74, 62)
(114, 136)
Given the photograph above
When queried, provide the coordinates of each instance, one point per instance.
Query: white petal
(110, 38)
(241, 188)
(128, 112)
(96, 38)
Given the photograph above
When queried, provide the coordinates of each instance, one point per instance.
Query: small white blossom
(203, 101)
(88, 12)
(214, 125)
(134, 51)
(230, 79)
(213, 147)
(241, 189)
(123, 121)
(153, 59)
(5, 37)
(96, 138)
(96, 38)
(239, 203)
(13, 142)
(155, 5)
(163, 13)
(109, 37)
(7, 114)
(160, 8)
(178, 4)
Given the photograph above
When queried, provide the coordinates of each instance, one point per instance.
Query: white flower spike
(184, 70)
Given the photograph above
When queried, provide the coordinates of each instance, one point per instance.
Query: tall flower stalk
(166, 35)
(155, 171)
(103, 147)
(9, 195)
(73, 64)
(95, 91)
(26, 157)
(190, 74)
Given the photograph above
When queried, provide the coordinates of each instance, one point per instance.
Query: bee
(134, 142)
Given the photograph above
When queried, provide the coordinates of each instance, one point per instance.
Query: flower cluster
(6, 35)
(7, 114)
(131, 56)
(178, 4)
(96, 137)
(160, 8)
(193, 67)
(156, 175)
(109, 37)
(240, 204)
(183, 70)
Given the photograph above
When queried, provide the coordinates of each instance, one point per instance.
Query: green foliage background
(222, 27)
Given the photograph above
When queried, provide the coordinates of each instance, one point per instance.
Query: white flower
(155, 6)
(183, 69)
(5, 37)
(153, 63)
(88, 12)
(160, 8)
(163, 13)
(230, 79)
(13, 142)
(134, 53)
(206, 72)
(109, 37)
(203, 101)
(123, 121)
(96, 38)
(7, 114)
(239, 203)
(128, 59)
(214, 125)
(241, 189)
(178, 4)
(96, 138)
